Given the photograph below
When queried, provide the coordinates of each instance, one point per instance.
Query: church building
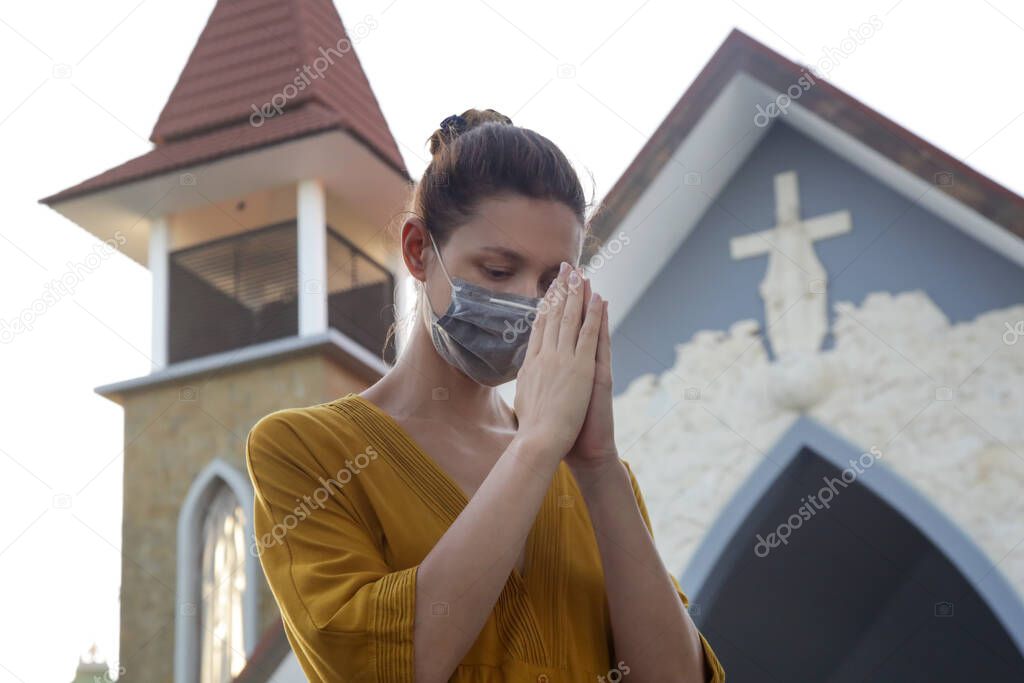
(261, 213)
(815, 324)
(818, 351)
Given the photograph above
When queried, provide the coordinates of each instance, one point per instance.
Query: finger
(536, 341)
(587, 290)
(604, 341)
(555, 306)
(586, 345)
(569, 330)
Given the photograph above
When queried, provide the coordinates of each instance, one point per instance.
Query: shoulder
(300, 436)
(304, 418)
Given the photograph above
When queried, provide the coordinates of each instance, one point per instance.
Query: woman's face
(513, 245)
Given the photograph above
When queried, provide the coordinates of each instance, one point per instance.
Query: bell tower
(260, 212)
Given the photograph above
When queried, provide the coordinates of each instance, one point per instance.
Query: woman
(422, 530)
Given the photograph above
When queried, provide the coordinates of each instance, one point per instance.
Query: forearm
(466, 570)
(652, 631)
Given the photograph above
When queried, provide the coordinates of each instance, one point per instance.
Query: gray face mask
(483, 333)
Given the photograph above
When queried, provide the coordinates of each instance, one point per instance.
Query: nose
(526, 285)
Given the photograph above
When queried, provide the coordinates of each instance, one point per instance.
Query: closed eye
(495, 273)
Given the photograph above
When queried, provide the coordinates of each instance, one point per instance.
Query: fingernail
(574, 277)
(562, 267)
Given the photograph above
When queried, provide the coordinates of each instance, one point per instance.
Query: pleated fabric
(348, 505)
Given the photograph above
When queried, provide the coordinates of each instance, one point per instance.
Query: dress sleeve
(713, 671)
(348, 615)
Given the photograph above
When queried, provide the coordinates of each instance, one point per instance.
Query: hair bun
(455, 125)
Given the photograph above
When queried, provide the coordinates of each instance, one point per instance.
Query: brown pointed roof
(251, 53)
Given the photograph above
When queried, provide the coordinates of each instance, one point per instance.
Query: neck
(423, 385)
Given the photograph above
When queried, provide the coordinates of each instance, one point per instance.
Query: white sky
(948, 71)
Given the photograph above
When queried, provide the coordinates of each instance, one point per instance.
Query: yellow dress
(348, 505)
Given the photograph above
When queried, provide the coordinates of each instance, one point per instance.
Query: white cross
(795, 277)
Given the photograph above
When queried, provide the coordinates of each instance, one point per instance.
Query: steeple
(255, 62)
(261, 208)
(261, 214)
(92, 668)
(289, 54)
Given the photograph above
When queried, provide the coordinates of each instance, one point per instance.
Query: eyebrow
(512, 255)
(506, 252)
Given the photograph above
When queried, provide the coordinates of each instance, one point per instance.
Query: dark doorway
(856, 593)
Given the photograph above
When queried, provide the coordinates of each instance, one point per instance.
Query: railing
(243, 290)
(360, 295)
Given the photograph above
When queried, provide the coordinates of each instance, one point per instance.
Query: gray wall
(895, 246)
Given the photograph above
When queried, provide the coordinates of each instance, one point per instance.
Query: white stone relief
(945, 403)
(795, 278)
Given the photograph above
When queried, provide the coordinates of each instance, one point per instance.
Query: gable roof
(741, 54)
(253, 54)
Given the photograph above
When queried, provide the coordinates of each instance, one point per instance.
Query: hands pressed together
(564, 387)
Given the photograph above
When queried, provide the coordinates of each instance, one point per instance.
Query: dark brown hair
(491, 156)
(482, 154)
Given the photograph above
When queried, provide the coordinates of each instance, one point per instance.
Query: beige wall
(215, 220)
(169, 439)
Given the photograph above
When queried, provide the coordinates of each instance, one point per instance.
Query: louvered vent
(243, 290)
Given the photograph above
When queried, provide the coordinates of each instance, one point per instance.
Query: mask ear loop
(444, 270)
(441, 261)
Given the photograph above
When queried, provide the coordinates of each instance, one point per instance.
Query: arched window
(218, 578)
(222, 630)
